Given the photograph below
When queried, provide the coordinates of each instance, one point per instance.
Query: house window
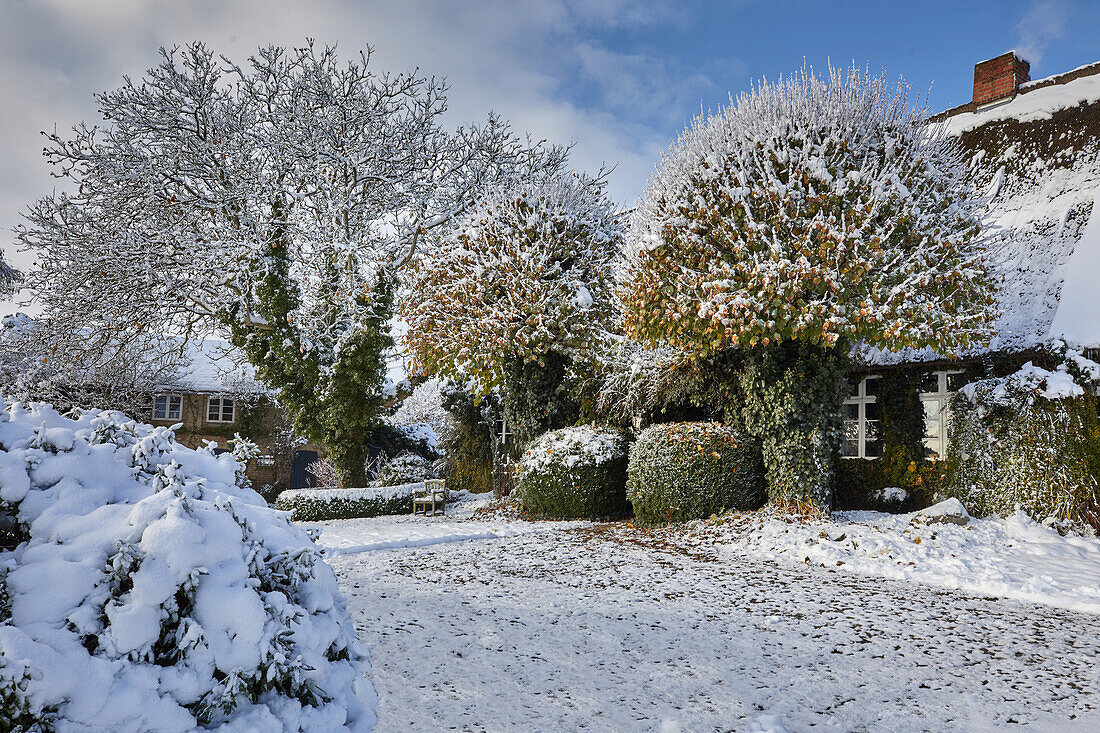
(935, 390)
(219, 409)
(862, 434)
(167, 407)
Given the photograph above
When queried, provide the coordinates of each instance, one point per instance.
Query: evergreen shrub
(469, 445)
(1043, 457)
(575, 473)
(682, 471)
(316, 505)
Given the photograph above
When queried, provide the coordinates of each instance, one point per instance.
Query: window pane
(175, 407)
(160, 407)
(932, 418)
(955, 382)
(213, 409)
(871, 410)
(227, 410)
(932, 448)
(872, 386)
(853, 388)
(872, 446)
(930, 382)
(850, 446)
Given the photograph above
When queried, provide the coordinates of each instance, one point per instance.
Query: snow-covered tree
(522, 286)
(821, 210)
(271, 199)
(10, 278)
(82, 369)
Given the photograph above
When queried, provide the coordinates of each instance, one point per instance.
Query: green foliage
(1044, 457)
(333, 396)
(316, 505)
(861, 484)
(901, 418)
(682, 471)
(527, 273)
(793, 393)
(575, 473)
(17, 714)
(813, 209)
(469, 446)
(537, 397)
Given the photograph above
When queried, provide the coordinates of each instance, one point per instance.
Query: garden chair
(434, 495)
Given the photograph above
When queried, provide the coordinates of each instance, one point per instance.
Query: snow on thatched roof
(1037, 157)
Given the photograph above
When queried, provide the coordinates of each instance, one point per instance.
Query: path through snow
(597, 627)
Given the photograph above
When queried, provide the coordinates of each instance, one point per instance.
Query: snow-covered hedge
(142, 589)
(682, 471)
(315, 505)
(1031, 439)
(575, 473)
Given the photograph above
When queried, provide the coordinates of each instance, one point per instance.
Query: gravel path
(607, 628)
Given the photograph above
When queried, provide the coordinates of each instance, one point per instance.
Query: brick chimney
(999, 78)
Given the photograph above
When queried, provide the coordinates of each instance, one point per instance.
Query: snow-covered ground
(579, 626)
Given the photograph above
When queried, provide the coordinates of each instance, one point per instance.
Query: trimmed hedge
(315, 505)
(1044, 457)
(682, 471)
(575, 473)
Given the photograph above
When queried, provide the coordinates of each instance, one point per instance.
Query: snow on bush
(527, 273)
(682, 471)
(404, 468)
(574, 473)
(142, 589)
(815, 209)
(315, 505)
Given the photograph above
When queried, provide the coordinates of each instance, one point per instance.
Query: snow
(148, 591)
(370, 493)
(582, 626)
(1029, 106)
(570, 447)
(354, 536)
(1014, 557)
(1077, 318)
(215, 366)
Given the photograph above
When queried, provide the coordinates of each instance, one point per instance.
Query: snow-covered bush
(528, 272)
(682, 471)
(145, 590)
(404, 468)
(1031, 439)
(575, 473)
(315, 505)
(824, 211)
(423, 408)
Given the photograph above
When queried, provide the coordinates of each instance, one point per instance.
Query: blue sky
(620, 78)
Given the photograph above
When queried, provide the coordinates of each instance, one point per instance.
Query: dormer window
(167, 407)
(220, 409)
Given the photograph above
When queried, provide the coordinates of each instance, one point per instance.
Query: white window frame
(862, 399)
(221, 404)
(939, 444)
(168, 413)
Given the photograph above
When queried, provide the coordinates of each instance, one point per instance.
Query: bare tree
(272, 199)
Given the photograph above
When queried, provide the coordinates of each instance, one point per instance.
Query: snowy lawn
(580, 626)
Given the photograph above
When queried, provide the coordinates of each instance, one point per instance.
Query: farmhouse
(1034, 148)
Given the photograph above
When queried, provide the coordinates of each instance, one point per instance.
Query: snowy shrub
(424, 407)
(1031, 439)
(148, 591)
(682, 471)
(527, 272)
(469, 446)
(575, 473)
(821, 211)
(404, 468)
(316, 505)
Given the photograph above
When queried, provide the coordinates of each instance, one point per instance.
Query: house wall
(257, 425)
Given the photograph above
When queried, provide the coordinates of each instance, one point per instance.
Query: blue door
(300, 478)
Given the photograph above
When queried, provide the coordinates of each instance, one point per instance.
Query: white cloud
(539, 64)
(1042, 23)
